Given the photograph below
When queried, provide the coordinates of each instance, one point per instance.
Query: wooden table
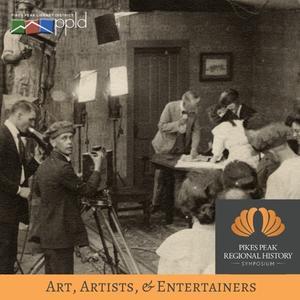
(173, 177)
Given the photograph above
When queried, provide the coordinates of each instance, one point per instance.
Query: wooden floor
(143, 241)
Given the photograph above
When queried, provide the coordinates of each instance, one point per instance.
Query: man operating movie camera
(61, 226)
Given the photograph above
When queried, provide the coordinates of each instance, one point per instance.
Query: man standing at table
(179, 133)
(15, 169)
(179, 130)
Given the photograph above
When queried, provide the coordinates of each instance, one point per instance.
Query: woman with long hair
(192, 251)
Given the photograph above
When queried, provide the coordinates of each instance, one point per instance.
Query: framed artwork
(216, 66)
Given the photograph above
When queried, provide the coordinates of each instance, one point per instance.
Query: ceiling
(209, 5)
(180, 5)
(281, 4)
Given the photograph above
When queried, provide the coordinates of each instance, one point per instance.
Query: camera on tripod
(106, 171)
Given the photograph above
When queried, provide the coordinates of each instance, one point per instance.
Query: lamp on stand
(118, 87)
(80, 117)
(85, 86)
(114, 112)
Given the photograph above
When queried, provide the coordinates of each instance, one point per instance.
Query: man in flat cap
(61, 226)
(272, 138)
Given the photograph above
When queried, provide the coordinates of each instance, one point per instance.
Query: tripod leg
(114, 217)
(117, 244)
(19, 268)
(37, 266)
(114, 247)
(106, 252)
(115, 241)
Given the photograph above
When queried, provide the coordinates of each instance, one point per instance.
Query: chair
(139, 195)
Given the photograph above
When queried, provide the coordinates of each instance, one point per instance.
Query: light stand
(80, 120)
(115, 107)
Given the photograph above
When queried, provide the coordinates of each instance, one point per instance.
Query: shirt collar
(12, 128)
(67, 158)
(61, 155)
(197, 224)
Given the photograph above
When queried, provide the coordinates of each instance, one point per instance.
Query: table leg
(167, 181)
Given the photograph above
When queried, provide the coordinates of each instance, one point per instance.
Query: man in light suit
(15, 169)
(179, 133)
(179, 130)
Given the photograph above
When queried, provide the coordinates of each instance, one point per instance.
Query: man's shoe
(88, 255)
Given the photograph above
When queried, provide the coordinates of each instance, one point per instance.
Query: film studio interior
(167, 107)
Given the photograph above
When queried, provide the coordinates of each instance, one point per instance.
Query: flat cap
(59, 128)
(32, 3)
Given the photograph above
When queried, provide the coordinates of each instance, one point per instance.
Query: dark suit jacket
(58, 186)
(246, 112)
(12, 207)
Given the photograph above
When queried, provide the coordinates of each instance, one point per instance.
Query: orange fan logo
(271, 224)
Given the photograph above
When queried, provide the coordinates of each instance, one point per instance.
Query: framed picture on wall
(216, 66)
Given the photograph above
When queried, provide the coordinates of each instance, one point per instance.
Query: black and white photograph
(124, 122)
(216, 66)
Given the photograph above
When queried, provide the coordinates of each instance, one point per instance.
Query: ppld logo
(47, 26)
(19, 26)
(271, 224)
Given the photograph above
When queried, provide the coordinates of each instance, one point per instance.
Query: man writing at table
(179, 130)
(179, 133)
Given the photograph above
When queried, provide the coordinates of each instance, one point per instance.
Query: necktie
(21, 150)
(189, 129)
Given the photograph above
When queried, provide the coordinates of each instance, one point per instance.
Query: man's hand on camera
(24, 192)
(97, 158)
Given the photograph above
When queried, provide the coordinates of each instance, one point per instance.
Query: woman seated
(229, 135)
(239, 175)
(192, 251)
(293, 121)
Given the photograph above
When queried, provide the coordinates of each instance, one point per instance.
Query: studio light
(87, 86)
(118, 81)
